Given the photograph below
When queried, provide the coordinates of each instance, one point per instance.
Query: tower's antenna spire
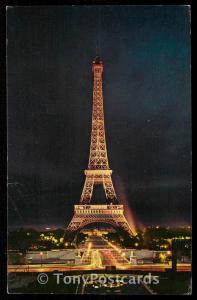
(97, 51)
(98, 31)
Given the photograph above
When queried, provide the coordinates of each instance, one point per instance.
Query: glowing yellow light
(162, 256)
(89, 247)
(96, 259)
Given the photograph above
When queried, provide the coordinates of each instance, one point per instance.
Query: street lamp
(41, 254)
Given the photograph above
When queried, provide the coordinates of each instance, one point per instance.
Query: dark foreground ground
(175, 284)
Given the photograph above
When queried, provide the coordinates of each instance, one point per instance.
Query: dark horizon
(147, 104)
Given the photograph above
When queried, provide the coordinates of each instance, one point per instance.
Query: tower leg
(87, 190)
(109, 188)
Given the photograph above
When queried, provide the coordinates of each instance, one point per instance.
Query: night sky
(146, 83)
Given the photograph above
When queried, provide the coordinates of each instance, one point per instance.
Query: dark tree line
(155, 238)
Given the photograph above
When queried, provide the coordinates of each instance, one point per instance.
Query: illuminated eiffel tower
(98, 172)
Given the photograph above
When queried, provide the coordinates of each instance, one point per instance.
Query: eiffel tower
(98, 171)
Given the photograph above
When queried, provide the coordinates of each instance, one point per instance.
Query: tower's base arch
(108, 214)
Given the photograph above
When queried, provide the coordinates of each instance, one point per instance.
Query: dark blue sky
(146, 54)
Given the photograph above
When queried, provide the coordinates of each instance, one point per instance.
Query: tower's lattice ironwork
(98, 167)
(98, 171)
